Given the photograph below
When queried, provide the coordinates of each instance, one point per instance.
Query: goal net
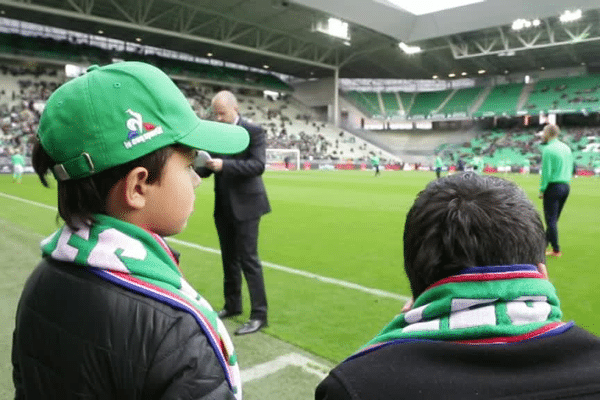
(283, 159)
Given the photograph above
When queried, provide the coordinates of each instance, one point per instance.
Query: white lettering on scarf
(104, 254)
(64, 251)
(521, 314)
(521, 311)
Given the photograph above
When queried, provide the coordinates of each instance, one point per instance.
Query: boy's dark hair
(469, 220)
(79, 199)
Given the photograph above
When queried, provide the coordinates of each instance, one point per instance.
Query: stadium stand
(571, 94)
(289, 124)
(390, 103)
(459, 104)
(513, 147)
(502, 100)
(407, 100)
(66, 51)
(367, 102)
(426, 103)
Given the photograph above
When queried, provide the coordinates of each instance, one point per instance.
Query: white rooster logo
(134, 124)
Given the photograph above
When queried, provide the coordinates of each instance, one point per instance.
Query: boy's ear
(542, 270)
(136, 188)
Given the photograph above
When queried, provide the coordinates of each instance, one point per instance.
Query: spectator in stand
(557, 171)
(485, 322)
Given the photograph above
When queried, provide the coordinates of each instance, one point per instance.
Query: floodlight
(570, 16)
(481, 71)
(536, 22)
(521, 23)
(451, 75)
(333, 27)
(409, 49)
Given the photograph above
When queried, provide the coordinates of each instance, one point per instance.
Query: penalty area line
(310, 275)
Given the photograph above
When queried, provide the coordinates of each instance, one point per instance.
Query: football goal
(283, 159)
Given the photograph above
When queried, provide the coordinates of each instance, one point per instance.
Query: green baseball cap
(119, 112)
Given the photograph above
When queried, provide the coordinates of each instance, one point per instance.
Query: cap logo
(139, 131)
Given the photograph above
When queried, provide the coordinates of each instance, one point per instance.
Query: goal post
(283, 159)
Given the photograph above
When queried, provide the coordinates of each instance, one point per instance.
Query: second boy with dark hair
(486, 322)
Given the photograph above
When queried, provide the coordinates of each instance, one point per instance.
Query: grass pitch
(345, 225)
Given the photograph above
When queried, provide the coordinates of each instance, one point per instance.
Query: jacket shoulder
(250, 127)
(128, 340)
(568, 363)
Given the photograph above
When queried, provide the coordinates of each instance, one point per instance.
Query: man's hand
(216, 164)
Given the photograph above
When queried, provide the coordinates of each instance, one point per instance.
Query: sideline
(310, 275)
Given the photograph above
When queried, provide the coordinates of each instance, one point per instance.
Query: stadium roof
(280, 34)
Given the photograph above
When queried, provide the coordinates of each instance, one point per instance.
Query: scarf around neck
(141, 261)
(482, 305)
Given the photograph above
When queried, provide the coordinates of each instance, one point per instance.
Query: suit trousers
(239, 253)
(555, 197)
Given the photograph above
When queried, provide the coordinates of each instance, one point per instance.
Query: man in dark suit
(240, 201)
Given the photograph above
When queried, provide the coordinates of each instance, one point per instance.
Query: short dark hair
(469, 220)
(80, 199)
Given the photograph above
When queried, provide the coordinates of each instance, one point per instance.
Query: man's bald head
(225, 107)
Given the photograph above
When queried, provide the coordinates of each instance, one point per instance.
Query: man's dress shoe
(253, 325)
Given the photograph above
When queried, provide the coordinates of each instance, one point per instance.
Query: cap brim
(539, 134)
(217, 137)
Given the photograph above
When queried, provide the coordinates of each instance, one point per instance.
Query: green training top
(375, 160)
(438, 162)
(18, 159)
(557, 164)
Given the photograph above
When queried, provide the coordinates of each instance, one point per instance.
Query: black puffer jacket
(80, 337)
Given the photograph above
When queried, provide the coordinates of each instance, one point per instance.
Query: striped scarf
(482, 305)
(141, 261)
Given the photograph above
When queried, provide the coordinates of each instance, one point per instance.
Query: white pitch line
(34, 203)
(259, 371)
(310, 275)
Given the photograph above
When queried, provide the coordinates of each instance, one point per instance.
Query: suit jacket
(239, 188)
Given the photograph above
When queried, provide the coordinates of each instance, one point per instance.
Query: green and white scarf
(141, 261)
(484, 305)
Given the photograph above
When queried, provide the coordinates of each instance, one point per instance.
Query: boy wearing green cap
(107, 313)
